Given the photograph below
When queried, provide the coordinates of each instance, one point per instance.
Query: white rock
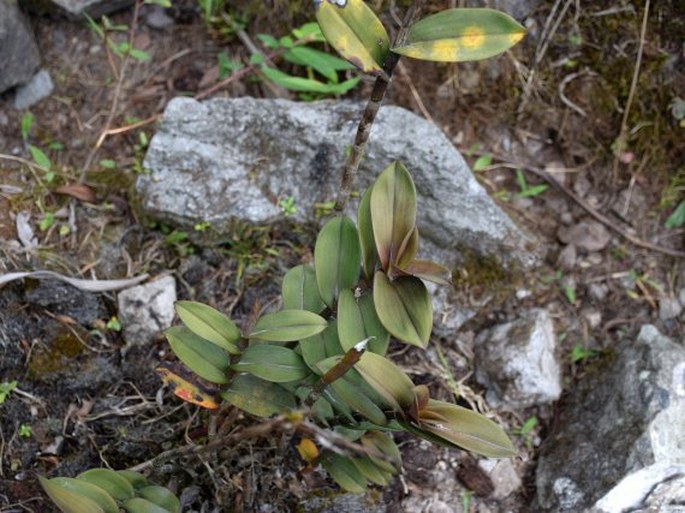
(147, 309)
(503, 475)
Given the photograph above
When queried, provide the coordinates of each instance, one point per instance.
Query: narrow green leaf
(482, 162)
(258, 397)
(114, 484)
(40, 157)
(300, 290)
(321, 346)
(162, 497)
(292, 83)
(357, 320)
(204, 358)
(378, 442)
(272, 363)
(344, 472)
(352, 28)
(371, 471)
(67, 500)
(358, 401)
(140, 505)
(288, 325)
(96, 494)
(337, 258)
(210, 324)
(136, 479)
(404, 308)
(457, 35)
(325, 64)
(269, 41)
(366, 240)
(393, 211)
(387, 379)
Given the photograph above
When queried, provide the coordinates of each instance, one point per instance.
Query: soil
(91, 401)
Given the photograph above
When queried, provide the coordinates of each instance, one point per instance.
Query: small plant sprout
(25, 431)
(528, 191)
(5, 389)
(287, 206)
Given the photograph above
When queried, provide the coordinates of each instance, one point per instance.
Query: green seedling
(677, 217)
(27, 120)
(287, 206)
(580, 354)
(528, 191)
(25, 431)
(5, 390)
(113, 324)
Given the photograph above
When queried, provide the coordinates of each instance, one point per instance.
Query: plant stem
(380, 87)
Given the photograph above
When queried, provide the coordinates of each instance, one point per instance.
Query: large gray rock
(19, 57)
(620, 432)
(76, 9)
(232, 159)
(516, 362)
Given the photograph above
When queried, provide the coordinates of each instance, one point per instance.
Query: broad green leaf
(344, 472)
(288, 325)
(387, 379)
(96, 494)
(393, 211)
(352, 28)
(377, 442)
(404, 308)
(427, 270)
(457, 35)
(300, 291)
(67, 500)
(136, 479)
(39, 157)
(322, 62)
(337, 257)
(466, 429)
(114, 484)
(162, 497)
(204, 358)
(210, 324)
(272, 363)
(366, 240)
(357, 321)
(319, 347)
(358, 401)
(140, 505)
(258, 397)
(371, 471)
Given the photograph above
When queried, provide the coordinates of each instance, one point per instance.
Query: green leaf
(67, 500)
(292, 83)
(210, 324)
(482, 162)
(114, 484)
(357, 320)
(162, 3)
(269, 41)
(96, 494)
(162, 497)
(344, 472)
(5, 389)
(366, 239)
(393, 212)
(321, 346)
(140, 505)
(466, 429)
(354, 397)
(371, 471)
(300, 290)
(376, 442)
(40, 157)
(136, 479)
(258, 397)
(458, 35)
(108, 164)
(387, 379)
(310, 32)
(272, 363)
(677, 217)
(404, 308)
(288, 325)
(352, 28)
(139, 55)
(337, 258)
(204, 358)
(321, 62)
(427, 270)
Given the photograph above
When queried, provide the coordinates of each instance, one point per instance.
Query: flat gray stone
(19, 57)
(588, 235)
(36, 89)
(621, 428)
(516, 362)
(145, 310)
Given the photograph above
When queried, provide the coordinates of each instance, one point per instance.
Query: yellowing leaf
(308, 450)
(186, 388)
(352, 28)
(67, 500)
(86, 490)
(457, 35)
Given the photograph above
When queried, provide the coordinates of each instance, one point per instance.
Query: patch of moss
(480, 275)
(56, 355)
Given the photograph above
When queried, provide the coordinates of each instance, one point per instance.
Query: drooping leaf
(162, 497)
(352, 28)
(114, 484)
(466, 429)
(67, 500)
(404, 308)
(393, 211)
(457, 35)
(300, 290)
(387, 379)
(272, 363)
(427, 270)
(140, 505)
(307, 85)
(344, 472)
(337, 257)
(136, 479)
(366, 240)
(258, 397)
(204, 358)
(321, 346)
(210, 324)
(288, 325)
(186, 386)
(84, 489)
(357, 320)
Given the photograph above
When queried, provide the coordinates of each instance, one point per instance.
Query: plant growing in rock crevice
(319, 363)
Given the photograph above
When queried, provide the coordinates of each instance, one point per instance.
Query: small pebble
(669, 308)
(598, 291)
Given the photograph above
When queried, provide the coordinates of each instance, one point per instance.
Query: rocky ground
(565, 323)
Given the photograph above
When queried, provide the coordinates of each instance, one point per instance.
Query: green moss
(485, 275)
(56, 355)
